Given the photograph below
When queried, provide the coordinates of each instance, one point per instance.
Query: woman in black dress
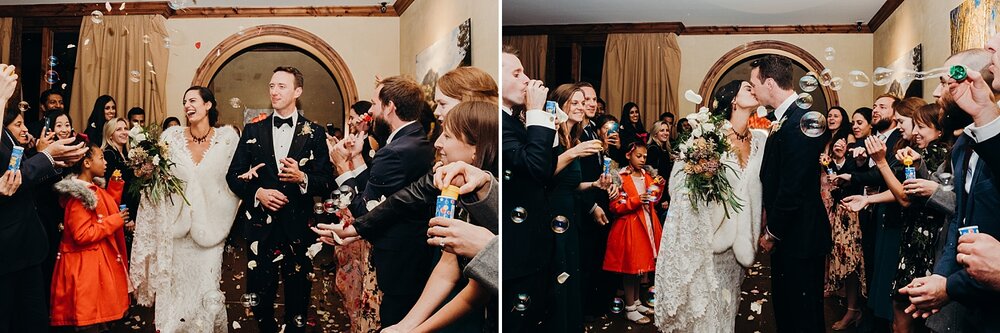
(115, 146)
(632, 129)
(105, 108)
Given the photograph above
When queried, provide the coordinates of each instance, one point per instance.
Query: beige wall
(926, 22)
(369, 47)
(427, 21)
(854, 51)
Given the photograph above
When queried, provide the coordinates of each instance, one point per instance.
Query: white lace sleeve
(152, 245)
(684, 268)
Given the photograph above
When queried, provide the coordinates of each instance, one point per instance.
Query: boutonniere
(775, 126)
(306, 129)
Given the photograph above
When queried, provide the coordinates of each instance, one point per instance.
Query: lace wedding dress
(703, 254)
(177, 253)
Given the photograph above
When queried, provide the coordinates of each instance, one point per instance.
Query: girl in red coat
(635, 235)
(90, 284)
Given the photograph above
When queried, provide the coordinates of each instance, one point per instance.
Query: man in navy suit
(977, 204)
(528, 162)
(403, 261)
(797, 227)
(294, 164)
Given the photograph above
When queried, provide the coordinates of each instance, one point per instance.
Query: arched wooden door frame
(282, 34)
(760, 47)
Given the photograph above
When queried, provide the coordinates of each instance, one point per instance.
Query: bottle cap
(451, 192)
(907, 161)
(958, 72)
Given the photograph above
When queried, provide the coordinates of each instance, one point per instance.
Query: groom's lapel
(299, 139)
(267, 142)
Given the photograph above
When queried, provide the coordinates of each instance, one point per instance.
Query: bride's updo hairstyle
(723, 103)
(208, 97)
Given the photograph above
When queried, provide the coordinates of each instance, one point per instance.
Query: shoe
(642, 308)
(841, 325)
(637, 317)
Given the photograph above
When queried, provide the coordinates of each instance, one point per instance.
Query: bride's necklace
(201, 139)
(742, 136)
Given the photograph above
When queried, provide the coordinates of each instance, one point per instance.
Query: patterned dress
(356, 283)
(921, 227)
(845, 257)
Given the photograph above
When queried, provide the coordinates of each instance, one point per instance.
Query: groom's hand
(271, 199)
(766, 244)
(290, 172)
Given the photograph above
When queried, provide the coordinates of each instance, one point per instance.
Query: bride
(703, 253)
(177, 254)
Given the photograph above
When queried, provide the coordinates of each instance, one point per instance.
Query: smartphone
(614, 128)
(48, 124)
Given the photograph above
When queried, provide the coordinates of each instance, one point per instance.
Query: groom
(281, 163)
(797, 228)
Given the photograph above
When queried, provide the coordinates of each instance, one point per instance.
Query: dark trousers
(532, 315)
(598, 285)
(797, 287)
(401, 275)
(293, 268)
(23, 307)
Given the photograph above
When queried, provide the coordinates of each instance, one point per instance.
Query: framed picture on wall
(449, 52)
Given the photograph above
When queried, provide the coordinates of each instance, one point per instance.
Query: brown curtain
(114, 58)
(6, 33)
(532, 50)
(642, 68)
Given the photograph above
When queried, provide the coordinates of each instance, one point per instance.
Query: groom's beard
(882, 125)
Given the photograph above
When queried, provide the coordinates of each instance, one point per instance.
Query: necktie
(278, 122)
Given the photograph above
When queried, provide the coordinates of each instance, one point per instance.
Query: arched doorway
(240, 67)
(735, 64)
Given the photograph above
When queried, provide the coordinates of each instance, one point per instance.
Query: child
(90, 283)
(635, 235)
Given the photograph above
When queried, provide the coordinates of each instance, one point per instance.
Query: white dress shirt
(282, 142)
(979, 134)
(780, 110)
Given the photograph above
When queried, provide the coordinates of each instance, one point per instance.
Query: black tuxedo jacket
(401, 162)
(528, 164)
(257, 146)
(23, 241)
(791, 199)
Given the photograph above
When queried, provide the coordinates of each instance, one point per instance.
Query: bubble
(249, 300)
(830, 53)
(177, 4)
(166, 42)
(51, 76)
(836, 83)
(652, 296)
(86, 42)
(762, 111)
(813, 124)
(808, 83)
(825, 76)
(560, 224)
(506, 175)
(805, 101)
(692, 97)
(146, 39)
(133, 76)
(318, 208)
(235, 102)
(908, 76)
(97, 17)
(241, 30)
(523, 300)
(518, 214)
(617, 305)
(882, 76)
(23, 106)
(299, 321)
(858, 79)
(213, 301)
(53, 61)
(347, 192)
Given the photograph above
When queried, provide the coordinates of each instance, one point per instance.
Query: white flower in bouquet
(703, 115)
(727, 126)
(708, 127)
(696, 132)
(134, 132)
(156, 160)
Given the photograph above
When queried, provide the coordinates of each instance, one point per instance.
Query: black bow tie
(279, 121)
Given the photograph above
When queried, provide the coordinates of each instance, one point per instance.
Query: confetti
(70, 46)
(314, 249)
(562, 277)
(236, 325)
(122, 7)
(278, 258)
(252, 264)
(197, 45)
(268, 219)
(253, 247)
(107, 5)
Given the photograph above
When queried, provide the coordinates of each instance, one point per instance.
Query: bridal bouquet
(702, 150)
(150, 159)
